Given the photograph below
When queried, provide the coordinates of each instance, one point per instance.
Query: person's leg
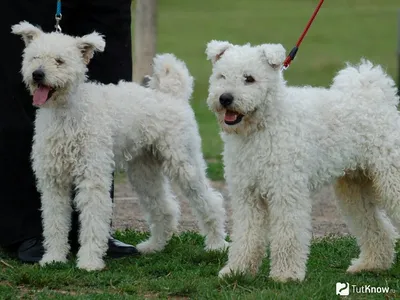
(20, 216)
(113, 20)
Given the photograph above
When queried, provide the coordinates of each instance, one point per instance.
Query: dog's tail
(171, 76)
(367, 79)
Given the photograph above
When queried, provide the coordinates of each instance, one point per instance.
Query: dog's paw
(50, 259)
(286, 276)
(90, 264)
(225, 272)
(217, 246)
(230, 270)
(90, 260)
(149, 246)
(360, 265)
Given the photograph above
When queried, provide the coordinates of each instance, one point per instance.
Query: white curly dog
(283, 143)
(83, 129)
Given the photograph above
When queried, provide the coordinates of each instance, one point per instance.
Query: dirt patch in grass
(127, 214)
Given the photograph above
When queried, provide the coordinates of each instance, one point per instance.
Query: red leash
(293, 52)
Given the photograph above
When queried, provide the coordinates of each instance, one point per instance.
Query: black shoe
(30, 251)
(117, 249)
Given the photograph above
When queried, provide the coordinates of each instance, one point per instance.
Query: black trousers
(20, 216)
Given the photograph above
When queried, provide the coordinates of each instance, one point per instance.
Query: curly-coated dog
(283, 143)
(82, 129)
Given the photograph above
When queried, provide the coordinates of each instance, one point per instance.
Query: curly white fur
(84, 128)
(292, 140)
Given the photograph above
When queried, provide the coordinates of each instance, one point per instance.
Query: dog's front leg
(290, 230)
(94, 204)
(56, 215)
(249, 234)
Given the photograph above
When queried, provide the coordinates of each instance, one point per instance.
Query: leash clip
(290, 58)
(57, 26)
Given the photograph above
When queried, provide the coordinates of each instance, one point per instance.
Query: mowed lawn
(343, 31)
(185, 271)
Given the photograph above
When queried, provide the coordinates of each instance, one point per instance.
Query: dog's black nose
(38, 76)
(226, 99)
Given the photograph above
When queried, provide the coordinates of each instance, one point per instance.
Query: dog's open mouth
(232, 117)
(42, 94)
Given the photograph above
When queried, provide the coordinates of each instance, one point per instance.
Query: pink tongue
(40, 95)
(230, 116)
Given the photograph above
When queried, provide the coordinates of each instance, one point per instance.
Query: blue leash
(58, 16)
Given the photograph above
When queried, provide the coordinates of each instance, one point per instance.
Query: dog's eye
(249, 79)
(59, 61)
(220, 76)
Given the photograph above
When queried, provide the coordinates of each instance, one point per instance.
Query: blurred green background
(344, 30)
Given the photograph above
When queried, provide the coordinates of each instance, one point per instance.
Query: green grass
(185, 271)
(343, 31)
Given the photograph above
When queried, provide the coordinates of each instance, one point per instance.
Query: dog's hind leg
(187, 170)
(387, 184)
(156, 200)
(56, 214)
(375, 235)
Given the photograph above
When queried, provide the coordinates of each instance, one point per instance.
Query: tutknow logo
(343, 289)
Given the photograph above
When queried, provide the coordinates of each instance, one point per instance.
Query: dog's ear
(215, 49)
(273, 54)
(89, 44)
(27, 31)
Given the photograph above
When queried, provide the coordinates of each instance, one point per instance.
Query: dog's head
(54, 63)
(242, 77)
